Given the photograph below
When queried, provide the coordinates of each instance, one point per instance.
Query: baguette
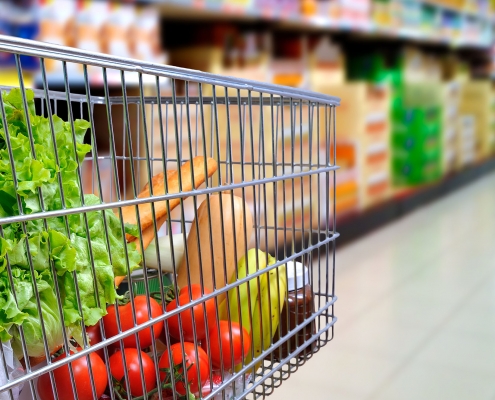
(212, 266)
(145, 215)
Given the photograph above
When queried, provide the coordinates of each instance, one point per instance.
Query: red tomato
(134, 368)
(197, 361)
(186, 316)
(94, 335)
(126, 322)
(226, 354)
(82, 379)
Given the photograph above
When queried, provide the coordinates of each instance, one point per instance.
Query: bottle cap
(297, 276)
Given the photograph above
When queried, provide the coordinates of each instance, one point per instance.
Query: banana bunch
(259, 302)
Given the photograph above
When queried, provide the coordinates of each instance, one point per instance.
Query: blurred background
(416, 123)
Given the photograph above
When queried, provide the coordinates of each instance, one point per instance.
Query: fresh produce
(167, 260)
(223, 236)
(134, 368)
(82, 379)
(242, 308)
(267, 298)
(94, 337)
(187, 315)
(233, 347)
(51, 244)
(126, 322)
(195, 362)
(272, 300)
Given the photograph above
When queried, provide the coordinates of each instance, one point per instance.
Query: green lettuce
(48, 241)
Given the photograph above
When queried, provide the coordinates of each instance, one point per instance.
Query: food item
(158, 185)
(126, 322)
(50, 245)
(272, 299)
(233, 347)
(248, 292)
(300, 306)
(82, 379)
(166, 263)
(266, 300)
(134, 368)
(224, 238)
(148, 234)
(94, 337)
(145, 213)
(186, 316)
(195, 362)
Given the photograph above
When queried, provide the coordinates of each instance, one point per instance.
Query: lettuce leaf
(31, 323)
(48, 241)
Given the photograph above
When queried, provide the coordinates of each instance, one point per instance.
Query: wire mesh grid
(167, 210)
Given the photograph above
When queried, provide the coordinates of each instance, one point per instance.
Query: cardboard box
(476, 100)
(363, 121)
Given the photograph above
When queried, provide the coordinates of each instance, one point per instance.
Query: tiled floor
(416, 309)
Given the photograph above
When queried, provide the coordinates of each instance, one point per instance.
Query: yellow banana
(240, 307)
(272, 301)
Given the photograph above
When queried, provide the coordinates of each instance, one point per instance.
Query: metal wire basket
(220, 189)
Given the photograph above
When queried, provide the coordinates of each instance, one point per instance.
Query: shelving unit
(220, 11)
(448, 29)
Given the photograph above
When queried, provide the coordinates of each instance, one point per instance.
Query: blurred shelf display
(364, 124)
(119, 29)
(440, 22)
(417, 110)
(357, 225)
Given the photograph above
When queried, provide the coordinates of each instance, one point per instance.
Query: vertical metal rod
(178, 144)
(242, 136)
(149, 171)
(118, 196)
(195, 204)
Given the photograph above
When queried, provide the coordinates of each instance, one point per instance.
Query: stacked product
(124, 30)
(327, 71)
(450, 128)
(364, 121)
(416, 119)
(416, 134)
(466, 141)
(346, 13)
(288, 65)
(476, 100)
(492, 126)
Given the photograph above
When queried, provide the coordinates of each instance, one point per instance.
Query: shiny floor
(416, 309)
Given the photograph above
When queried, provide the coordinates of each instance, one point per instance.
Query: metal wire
(274, 151)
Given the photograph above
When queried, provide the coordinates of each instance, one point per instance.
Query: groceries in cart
(62, 265)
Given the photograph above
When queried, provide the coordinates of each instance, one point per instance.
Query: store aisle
(416, 309)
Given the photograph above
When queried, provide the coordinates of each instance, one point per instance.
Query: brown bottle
(298, 307)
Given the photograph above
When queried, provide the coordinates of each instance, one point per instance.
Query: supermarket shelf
(205, 9)
(358, 225)
(355, 226)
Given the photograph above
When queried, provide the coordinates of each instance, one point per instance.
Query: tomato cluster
(186, 360)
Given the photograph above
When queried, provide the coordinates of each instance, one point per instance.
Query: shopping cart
(176, 222)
